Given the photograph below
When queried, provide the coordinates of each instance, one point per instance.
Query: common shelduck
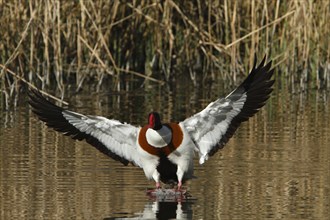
(164, 151)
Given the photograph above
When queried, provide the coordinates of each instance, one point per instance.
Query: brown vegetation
(53, 43)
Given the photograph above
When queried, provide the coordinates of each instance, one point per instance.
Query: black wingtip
(31, 93)
(255, 61)
(38, 102)
(34, 92)
(262, 63)
(52, 115)
(35, 96)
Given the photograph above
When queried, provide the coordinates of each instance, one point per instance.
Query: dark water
(275, 167)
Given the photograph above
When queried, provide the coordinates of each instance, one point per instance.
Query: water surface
(275, 167)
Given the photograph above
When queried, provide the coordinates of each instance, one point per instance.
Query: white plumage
(164, 151)
(159, 138)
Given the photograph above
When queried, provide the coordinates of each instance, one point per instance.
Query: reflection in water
(275, 167)
(162, 210)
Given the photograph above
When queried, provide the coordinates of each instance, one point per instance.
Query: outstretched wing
(111, 137)
(211, 128)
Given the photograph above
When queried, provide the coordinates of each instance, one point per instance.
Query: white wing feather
(119, 138)
(208, 126)
(211, 128)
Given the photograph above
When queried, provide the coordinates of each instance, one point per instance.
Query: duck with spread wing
(164, 151)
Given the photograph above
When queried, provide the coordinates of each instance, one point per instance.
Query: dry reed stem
(31, 85)
(104, 66)
(218, 46)
(259, 29)
(147, 17)
(94, 53)
(114, 23)
(15, 52)
(64, 37)
(101, 36)
(233, 38)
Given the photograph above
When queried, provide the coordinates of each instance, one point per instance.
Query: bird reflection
(163, 206)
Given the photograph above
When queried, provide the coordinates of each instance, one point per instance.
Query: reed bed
(55, 44)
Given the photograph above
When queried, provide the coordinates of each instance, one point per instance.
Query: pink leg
(179, 185)
(157, 185)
